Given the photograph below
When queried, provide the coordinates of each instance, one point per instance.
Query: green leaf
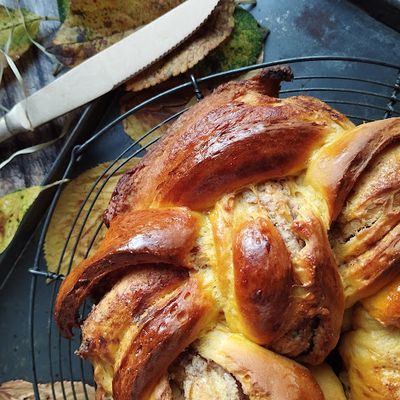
(242, 48)
(16, 35)
(63, 7)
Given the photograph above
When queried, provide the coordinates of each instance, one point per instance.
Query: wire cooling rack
(362, 89)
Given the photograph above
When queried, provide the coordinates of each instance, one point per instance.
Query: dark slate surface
(324, 27)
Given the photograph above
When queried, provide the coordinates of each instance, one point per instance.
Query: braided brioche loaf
(367, 242)
(218, 243)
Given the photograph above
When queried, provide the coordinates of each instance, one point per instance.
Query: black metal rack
(362, 89)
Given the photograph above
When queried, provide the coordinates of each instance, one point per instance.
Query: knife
(107, 69)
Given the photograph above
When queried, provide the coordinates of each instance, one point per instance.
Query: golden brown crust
(237, 136)
(131, 296)
(148, 236)
(337, 166)
(366, 274)
(371, 210)
(262, 374)
(163, 336)
(143, 177)
(148, 317)
(317, 305)
(371, 355)
(263, 278)
(365, 237)
(384, 306)
(108, 328)
(210, 171)
(311, 305)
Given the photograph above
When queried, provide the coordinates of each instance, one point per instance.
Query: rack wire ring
(196, 88)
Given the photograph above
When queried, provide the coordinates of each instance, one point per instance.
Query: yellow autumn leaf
(13, 207)
(67, 208)
(137, 124)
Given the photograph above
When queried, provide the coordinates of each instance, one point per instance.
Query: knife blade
(107, 69)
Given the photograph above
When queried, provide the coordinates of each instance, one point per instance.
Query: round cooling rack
(362, 89)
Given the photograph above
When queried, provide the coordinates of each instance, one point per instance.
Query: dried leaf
(217, 28)
(67, 207)
(22, 390)
(13, 207)
(16, 32)
(91, 26)
(137, 124)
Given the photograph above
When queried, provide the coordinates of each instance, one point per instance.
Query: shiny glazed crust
(146, 236)
(384, 306)
(237, 136)
(288, 299)
(262, 373)
(225, 222)
(261, 260)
